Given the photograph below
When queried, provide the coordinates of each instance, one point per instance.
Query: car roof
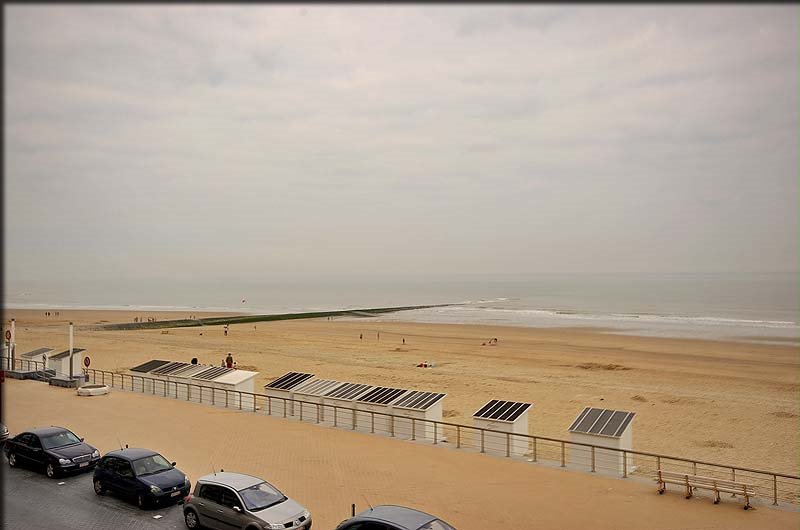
(132, 453)
(45, 431)
(408, 518)
(237, 481)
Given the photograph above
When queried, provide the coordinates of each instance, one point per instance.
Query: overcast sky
(252, 140)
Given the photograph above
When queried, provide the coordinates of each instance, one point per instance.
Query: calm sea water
(751, 306)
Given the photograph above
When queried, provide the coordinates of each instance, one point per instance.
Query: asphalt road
(33, 501)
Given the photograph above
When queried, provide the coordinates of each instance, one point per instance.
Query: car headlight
(96, 454)
(155, 489)
(186, 481)
(64, 461)
(306, 514)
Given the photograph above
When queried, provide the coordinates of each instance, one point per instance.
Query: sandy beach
(723, 402)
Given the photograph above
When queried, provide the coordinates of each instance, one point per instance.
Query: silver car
(233, 500)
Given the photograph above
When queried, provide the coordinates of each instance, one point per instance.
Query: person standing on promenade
(229, 360)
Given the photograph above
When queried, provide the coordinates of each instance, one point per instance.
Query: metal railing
(775, 487)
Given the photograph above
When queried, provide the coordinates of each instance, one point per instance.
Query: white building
(605, 428)
(60, 362)
(416, 411)
(375, 409)
(339, 407)
(511, 418)
(311, 398)
(282, 389)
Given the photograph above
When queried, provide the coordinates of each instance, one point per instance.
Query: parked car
(56, 449)
(390, 517)
(3, 434)
(233, 500)
(141, 475)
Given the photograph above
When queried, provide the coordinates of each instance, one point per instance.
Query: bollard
(352, 510)
(624, 464)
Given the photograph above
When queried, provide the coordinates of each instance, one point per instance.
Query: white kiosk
(60, 362)
(311, 398)
(343, 396)
(282, 387)
(413, 409)
(380, 400)
(605, 428)
(507, 416)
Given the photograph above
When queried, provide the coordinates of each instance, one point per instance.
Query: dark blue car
(141, 475)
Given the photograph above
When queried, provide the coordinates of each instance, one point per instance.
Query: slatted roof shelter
(377, 400)
(343, 396)
(603, 428)
(283, 389)
(417, 413)
(311, 393)
(510, 417)
(184, 381)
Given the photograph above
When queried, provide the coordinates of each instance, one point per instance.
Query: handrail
(253, 398)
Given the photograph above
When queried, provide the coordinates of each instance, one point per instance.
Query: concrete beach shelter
(606, 428)
(413, 409)
(283, 387)
(507, 416)
(343, 396)
(60, 362)
(379, 400)
(311, 398)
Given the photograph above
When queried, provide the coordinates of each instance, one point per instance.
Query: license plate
(175, 493)
(83, 464)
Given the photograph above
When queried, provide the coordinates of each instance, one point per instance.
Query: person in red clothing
(229, 360)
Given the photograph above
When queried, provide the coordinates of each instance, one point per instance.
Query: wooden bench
(692, 482)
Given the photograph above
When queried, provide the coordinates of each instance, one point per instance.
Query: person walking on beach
(404, 340)
(360, 336)
(226, 330)
(229, 360)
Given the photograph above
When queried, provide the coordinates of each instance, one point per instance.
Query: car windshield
(436, 524)
(261, 496)
(59, 440)
(150, 465)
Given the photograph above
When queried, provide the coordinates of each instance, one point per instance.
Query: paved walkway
(327, 469)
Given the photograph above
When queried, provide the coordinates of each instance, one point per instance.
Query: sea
(759, 307)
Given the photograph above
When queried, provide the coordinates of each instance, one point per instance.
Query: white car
(233, 500)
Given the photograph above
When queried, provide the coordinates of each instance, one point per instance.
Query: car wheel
(12, 460)
(50, 471)
(99, 488)
(190, 516)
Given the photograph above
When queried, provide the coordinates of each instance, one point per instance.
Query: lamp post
(70, 351)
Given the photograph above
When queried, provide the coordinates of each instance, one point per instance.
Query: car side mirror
(237, 509)
(81, 439)
(173, 464)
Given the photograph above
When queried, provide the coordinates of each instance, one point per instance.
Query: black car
(3, 434)
(56, 449)
(141, 475)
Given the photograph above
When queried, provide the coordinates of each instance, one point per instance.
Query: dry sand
(327, 469)
(725, 402)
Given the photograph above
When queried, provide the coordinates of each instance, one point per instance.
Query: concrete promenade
(327, 469)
